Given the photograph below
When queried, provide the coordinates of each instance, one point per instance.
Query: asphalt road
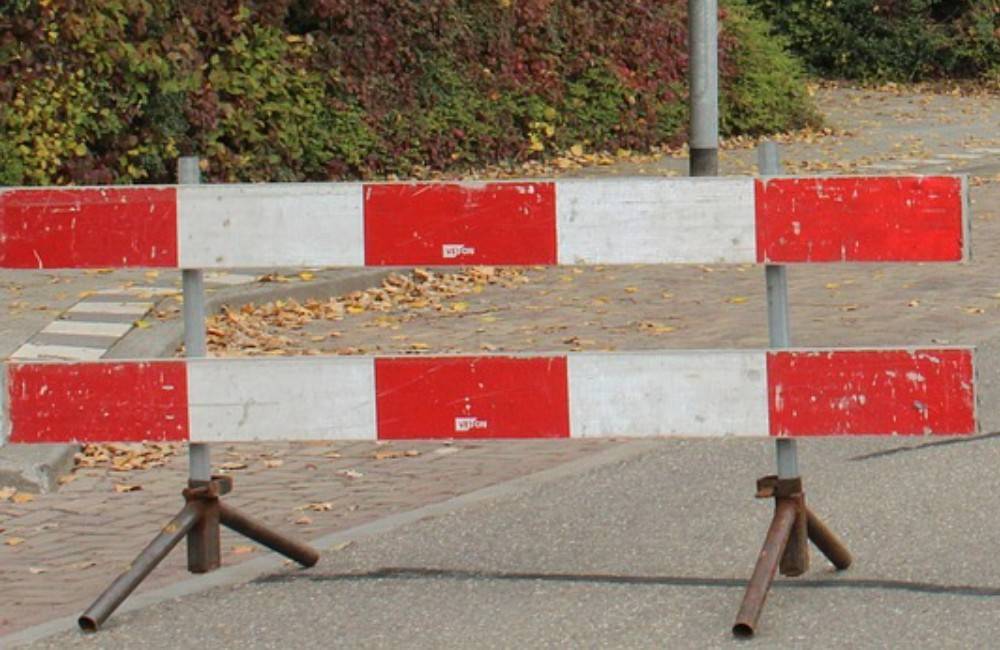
(651, 551)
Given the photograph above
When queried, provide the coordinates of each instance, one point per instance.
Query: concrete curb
(251, 569)
(163, 338)
(37, 468)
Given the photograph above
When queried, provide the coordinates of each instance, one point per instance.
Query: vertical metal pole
(189, 173)
(703, 71)
(777, 311)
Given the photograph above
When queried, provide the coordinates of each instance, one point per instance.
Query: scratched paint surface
(874, 392)
(886, 219)
(97, 402)
(452, 223)
(472, 397)
(88, 228)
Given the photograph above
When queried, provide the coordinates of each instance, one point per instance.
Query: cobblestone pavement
(78, 540)
(557, 309)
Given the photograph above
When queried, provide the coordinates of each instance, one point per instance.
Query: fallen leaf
(631, 289)
(122, 487)
(304, 521)
(459, 306)
(913, 303)
(13, 541)
(332, 454)
(80, 566)
(7, 492)
(68, 478)
(22, 497)
(271, 464)
(35, 570)
(975, 310)
(832, 285)
(350, 473)
(232, 465)
(341, 546)
(419, 346)
(243, 549)
(736, 300)
(325, 506)
(306, 275)
(385, 454)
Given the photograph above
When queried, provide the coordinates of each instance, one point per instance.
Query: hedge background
(283, 90)
(901, 40)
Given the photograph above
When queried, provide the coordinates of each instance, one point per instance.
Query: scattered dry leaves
(125, 457)
(126, 487)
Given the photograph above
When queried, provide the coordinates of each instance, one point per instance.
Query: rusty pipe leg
(795, 559)
(145, 562)
(827, 542)
(785, 514)
(204, 553)
(237, 521)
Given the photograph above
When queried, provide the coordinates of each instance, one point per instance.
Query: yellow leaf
(22, 497)
(631, 289)
(306, 275)
(122, 487)
(355, 309)
(576, 150)
(243, 549)
(737, 300)
(152, 275)
(419, 346)
(460, 306)
(488, 319)
(832, 285)
(141, 324)
(13, 541)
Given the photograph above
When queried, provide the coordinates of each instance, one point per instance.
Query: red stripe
(871, 392)
(898, 219)
(450, 223)
(98, 402)
(88, 228)
(467, 397)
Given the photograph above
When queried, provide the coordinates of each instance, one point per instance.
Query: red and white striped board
(678, 393)
(605, 221)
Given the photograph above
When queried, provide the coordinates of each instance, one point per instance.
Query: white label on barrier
(451, 251)
(463, 425)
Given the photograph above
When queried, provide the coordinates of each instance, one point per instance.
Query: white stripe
(67, 352)
(682, 393)
(140, 290)
(655, 221)
(121, 308)
(300, 398)
(302, 224)
(87, 328)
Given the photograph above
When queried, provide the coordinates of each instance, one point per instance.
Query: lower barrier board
(793, 393)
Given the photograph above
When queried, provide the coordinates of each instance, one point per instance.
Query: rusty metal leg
(795, 559)
(146, 561)
(244, 525)
(203, 545)
(767, 565)
(827, 542)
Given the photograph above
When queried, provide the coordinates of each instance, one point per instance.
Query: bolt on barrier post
(786, 546)
(203, 511)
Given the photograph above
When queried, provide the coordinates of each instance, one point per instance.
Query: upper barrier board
(604, 221)
(793, 393)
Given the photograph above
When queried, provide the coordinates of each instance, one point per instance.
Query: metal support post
(703, 84)
(204, 553)
(786, 547)
(777, 311)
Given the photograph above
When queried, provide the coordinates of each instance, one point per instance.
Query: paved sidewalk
(558, 309)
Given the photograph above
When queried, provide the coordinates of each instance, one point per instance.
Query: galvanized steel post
(189, 173)
(777, 311)
(703, 86)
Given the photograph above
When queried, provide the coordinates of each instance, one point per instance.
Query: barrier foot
(785, 547)
(199, 520)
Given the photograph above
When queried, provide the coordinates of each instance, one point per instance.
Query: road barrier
(780, 393)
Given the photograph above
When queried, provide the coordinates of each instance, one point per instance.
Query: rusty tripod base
(786, 546)
(199, 520)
